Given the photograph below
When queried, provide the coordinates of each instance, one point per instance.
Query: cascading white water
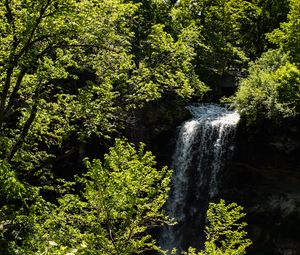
(202, 147)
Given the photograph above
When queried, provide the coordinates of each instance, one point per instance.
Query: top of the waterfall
(214, 113)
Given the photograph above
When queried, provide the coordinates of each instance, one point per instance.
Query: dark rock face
(264, 177)
(155, 125)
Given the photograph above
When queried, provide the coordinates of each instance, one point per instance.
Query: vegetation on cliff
(225, 233)
(272, 88)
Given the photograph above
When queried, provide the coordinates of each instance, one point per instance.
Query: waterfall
(203, 144)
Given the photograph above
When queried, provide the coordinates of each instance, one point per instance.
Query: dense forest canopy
(272, 89)
(75, 72)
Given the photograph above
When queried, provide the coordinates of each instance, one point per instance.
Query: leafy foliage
(230, 32)
(73, 71)
(288, 35)
(170, 61)
(272, 89)
(43, 43)
(121, 201)
(225, 234)
(46, 45)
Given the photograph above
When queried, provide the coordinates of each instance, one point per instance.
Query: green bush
(272, 89)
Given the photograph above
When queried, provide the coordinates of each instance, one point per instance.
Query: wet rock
(284, 144)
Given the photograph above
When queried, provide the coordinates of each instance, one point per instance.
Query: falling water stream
(202, 147)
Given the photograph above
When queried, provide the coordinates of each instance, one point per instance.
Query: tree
(219, 39)
(59, 62)
(71, 68)
(42, 42)
(271, 90)
(288, 35)
(164, 57)
(121, 202)
(225, 234)
(168, 62)
(230, 33)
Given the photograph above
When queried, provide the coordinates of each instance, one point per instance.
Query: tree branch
(14, 92)
(5, 90)
(14, 58)
(23, 134)
(28, 43)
